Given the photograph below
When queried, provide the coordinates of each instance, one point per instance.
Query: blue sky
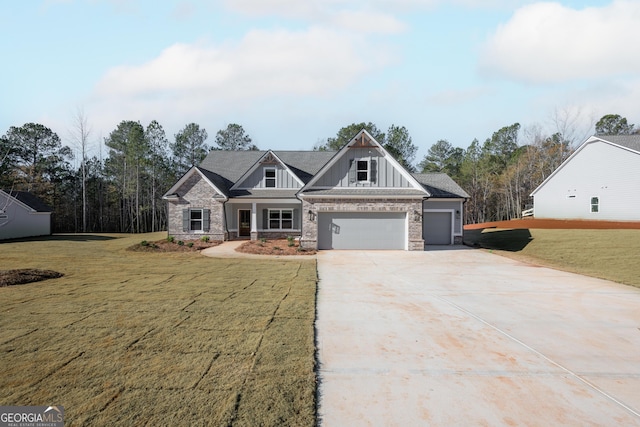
(294, 72)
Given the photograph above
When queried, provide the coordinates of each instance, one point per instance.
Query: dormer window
(362, 171)
(270, 177)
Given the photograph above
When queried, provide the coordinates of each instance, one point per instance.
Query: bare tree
(80, 136)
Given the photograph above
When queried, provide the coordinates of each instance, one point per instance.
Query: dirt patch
(273, 247)
(26, 275)
(556, 224)
(175, 246)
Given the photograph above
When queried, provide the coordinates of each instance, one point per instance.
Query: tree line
(122, 192)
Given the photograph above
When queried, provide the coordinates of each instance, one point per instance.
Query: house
(23, 215)
(600, 180)
(359, 197)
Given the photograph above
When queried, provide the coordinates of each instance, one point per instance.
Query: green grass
(134, 338)
(607, 254)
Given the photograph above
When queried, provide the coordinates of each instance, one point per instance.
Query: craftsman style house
(357, 198)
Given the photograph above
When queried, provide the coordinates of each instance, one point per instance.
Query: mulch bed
(167, 246)
(556, 224)
(26, 275)
(273, 247)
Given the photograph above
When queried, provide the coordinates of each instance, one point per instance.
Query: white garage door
(362, 230)
(436, 228)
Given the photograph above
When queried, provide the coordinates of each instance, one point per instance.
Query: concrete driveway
(465, 337)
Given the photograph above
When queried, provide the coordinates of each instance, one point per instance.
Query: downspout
(224, 218)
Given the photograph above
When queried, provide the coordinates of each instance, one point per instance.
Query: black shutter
(265, 219)
(374, 170)
(205, 219)
(185, 219)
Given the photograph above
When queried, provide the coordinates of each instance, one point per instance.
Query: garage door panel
(357, 230)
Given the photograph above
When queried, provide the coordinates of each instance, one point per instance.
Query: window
(362, 170)
(281, 219)
(195, 218)
(3, 215)
(595, 202)
(270, 177)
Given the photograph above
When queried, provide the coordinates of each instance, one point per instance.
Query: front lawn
(136, 338)
(607, 254)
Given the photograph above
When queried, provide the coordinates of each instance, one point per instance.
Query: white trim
(360, 196)
(248, 201)
(280, 219)
(197, 230)
(24, 205)
(274, 177)
(452, 212)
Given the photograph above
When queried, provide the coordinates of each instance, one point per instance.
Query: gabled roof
(209, 177)
(629, 143)
(28, 200)
(270, 157)
(364, 138)
(440, 185)
(228, 167)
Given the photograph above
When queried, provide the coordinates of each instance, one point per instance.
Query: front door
(244, 222)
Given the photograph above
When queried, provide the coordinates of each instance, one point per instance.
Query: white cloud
(263, 68)
(316, 61)
(548, 42)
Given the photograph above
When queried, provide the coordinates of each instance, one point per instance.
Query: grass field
(607, 254)
(133, 338)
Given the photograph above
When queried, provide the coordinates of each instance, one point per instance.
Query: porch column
(254, 222)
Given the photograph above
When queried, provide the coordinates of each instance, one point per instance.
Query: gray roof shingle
(224, 168)
(628, 141)
(440, 185)
(30, 200)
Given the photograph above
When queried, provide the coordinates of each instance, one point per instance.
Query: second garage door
(436, 228)
(358, 230)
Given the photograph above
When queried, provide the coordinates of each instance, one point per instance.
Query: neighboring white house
(599, 181)
(23, 215)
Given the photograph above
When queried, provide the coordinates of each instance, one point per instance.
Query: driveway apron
(465, 337)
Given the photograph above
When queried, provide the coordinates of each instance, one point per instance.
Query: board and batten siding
(386, 174)
(601, 170)
(283, 178)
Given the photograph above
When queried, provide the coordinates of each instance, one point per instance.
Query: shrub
(204, 239)
(144, 243)
(190, 244)
(171, 239)
(277, 248)
(180, 243)
(291, 241)
(263, 240)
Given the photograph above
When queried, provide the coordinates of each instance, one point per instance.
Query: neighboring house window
(362, 171)
(595, 202)
(280, 219)
(196, 219)
(270, 177)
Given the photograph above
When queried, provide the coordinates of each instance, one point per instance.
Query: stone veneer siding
(196, 193)
(309, 238)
